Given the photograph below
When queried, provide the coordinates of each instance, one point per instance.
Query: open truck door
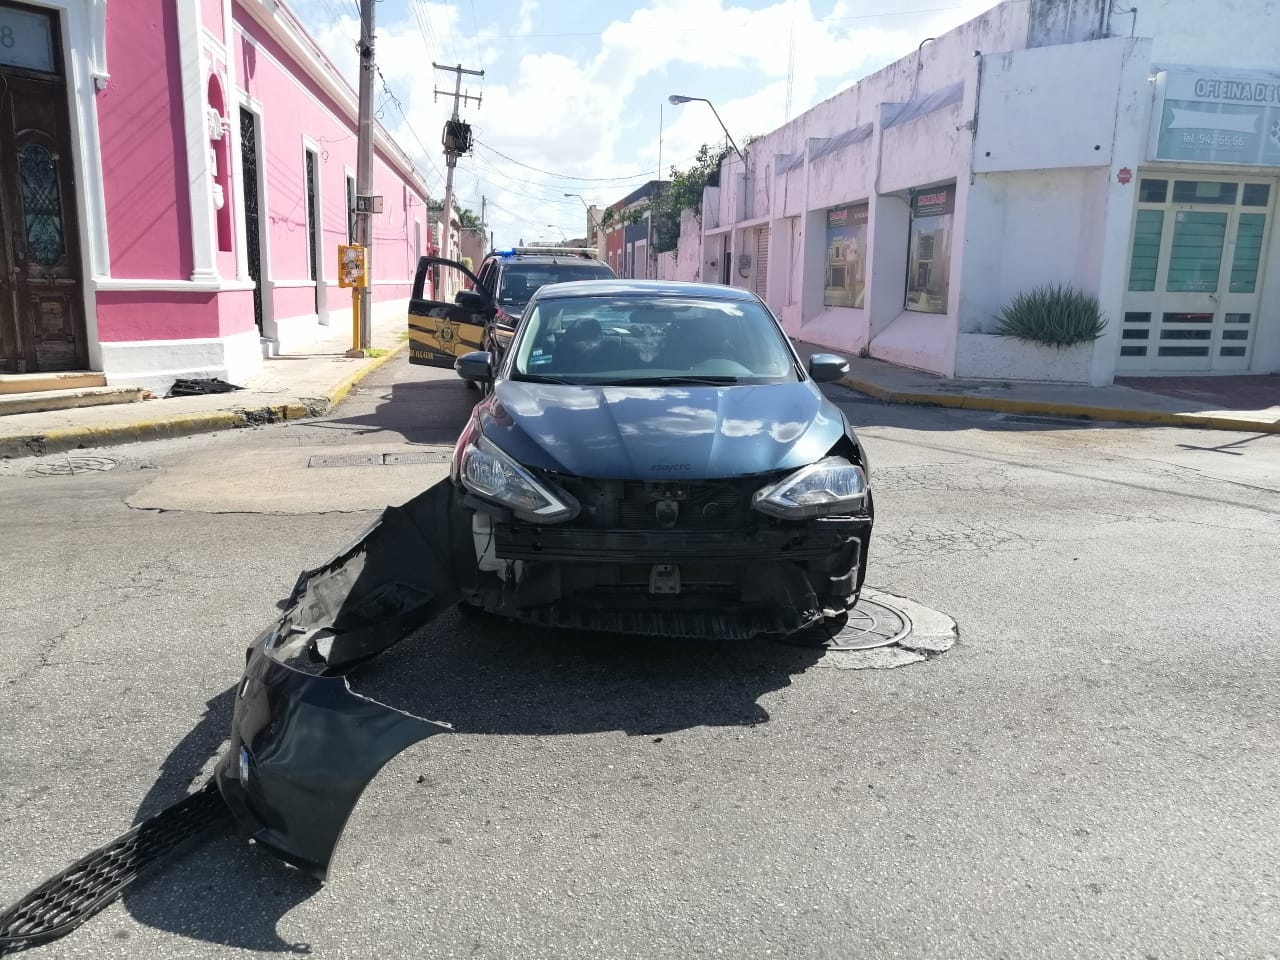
(441, 331)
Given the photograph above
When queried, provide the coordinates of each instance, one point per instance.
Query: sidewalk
(290, 387)
(1248, 403)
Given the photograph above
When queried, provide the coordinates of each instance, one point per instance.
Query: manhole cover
(397, 459)
(870, 624)
(68, 466)
(347, 460)
(378, 459)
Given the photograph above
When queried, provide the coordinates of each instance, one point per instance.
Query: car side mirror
(470, 300)
(477, 367)
(827, 367)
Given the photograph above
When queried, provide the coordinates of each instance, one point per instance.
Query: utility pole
(361, 299)
(484, 223)
(456, 141)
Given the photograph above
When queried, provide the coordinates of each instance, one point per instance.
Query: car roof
(539, 258)
(643, 288)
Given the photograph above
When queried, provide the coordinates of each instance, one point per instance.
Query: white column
(204, 247)
(237, 167)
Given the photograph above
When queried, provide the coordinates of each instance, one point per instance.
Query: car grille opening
(664, 505)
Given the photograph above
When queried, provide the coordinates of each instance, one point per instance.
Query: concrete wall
(1039, 114)
(1233, 33)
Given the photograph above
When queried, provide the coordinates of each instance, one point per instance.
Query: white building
(1133, 155)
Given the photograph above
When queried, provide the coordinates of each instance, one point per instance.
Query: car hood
(642, 433)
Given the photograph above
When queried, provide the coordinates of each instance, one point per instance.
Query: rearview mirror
(827, 367)
(470, 300)
(477, 367)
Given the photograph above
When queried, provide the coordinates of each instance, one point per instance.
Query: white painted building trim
(308, 144)
(255, 107)
(154, 364)
(82, 24)
(213, 43)
(116, 284)
(204, 247)
(327, 77)
(233, 93)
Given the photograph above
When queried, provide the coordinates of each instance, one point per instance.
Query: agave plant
(1056, 316)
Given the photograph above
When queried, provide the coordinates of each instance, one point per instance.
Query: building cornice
(282, 26)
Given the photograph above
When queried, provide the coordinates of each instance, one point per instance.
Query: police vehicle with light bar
(485, 316)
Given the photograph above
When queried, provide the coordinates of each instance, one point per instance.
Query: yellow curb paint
(1052, 409)
(339, 393)
(185, 424)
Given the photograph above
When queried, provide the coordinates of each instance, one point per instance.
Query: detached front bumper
(303, 745)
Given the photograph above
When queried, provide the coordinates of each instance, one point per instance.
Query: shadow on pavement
(484, 676)
(420, 411)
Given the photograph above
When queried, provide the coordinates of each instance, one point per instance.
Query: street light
(676, 99)
(564, 236)
(592, 219)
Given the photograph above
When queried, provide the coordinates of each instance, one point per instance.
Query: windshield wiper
(539, 378)
(672, 381)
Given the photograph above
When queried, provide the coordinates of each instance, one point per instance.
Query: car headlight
(830, 486)
(488, 472)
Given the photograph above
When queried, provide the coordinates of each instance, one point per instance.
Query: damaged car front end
(654, 459)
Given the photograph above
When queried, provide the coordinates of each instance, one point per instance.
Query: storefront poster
(929, 249)
(846, 272)
(1206, 118)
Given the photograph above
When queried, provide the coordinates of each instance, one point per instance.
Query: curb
(1054, 409)
(190, 424)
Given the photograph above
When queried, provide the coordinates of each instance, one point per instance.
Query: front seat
(579, 346)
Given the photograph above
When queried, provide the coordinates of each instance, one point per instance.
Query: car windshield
(520, 281)
(630, 340)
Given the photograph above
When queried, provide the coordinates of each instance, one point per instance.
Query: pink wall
(155, 315)
(211, 17)
(294, 106)
(143, 138)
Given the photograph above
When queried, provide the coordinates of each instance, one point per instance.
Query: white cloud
(580, 115)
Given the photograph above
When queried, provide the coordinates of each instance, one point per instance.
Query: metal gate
(760, 283)
(253, 242)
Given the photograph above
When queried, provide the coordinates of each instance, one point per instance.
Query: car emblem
(448, 330)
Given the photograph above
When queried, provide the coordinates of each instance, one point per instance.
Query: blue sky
(574, 93)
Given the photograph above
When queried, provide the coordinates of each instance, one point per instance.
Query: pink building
(175, 178)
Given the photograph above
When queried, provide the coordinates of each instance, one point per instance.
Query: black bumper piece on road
(303, 745)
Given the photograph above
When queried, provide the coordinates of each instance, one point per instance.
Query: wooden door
(41, 287)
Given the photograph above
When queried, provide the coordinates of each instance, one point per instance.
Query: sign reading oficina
(1210, 118)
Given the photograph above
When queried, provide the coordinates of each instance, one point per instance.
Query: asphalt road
(1092, 771)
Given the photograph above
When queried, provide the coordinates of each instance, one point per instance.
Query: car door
(440, 331)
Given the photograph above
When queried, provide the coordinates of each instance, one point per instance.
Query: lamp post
(563, 236)
(590, 218)
(676, 99)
